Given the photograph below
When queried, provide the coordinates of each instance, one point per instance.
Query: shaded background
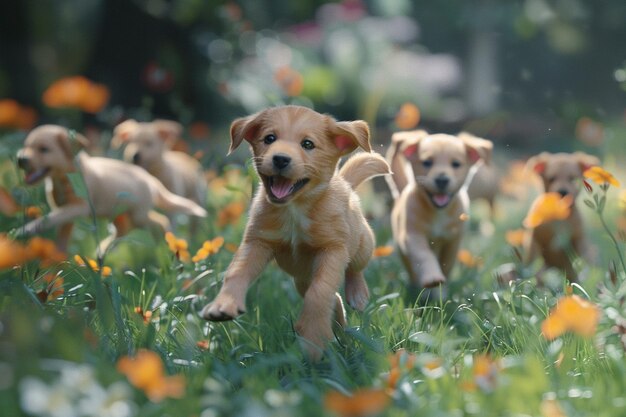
(528, 74)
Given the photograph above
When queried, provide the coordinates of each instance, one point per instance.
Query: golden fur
(560, 173)
(430, 199)
(305, 215)
(113, 187)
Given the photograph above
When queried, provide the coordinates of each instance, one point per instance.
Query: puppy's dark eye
(427, 163)
(307, 144)
(269, 139)
(44, 149)
(551, 179)
(456, 164)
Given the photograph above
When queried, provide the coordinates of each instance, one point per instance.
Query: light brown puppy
(556, 241)
(148, 145)
(305, 215)
(485, 182)
(430, 199)
(113, 187)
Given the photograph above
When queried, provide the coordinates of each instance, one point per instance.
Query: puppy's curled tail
(166, 200)
(362, 167)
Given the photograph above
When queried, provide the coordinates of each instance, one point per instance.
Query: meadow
(119, 334)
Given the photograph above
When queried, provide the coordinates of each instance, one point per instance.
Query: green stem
(615, 242)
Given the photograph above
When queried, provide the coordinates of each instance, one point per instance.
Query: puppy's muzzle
(136, 158)
(563, 192)
(281, 161)
(442, 182)
(23, 162)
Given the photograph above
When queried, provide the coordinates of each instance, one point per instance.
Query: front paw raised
(223, 308)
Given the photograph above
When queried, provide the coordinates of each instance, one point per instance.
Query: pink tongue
(281, 187)
(441, 199)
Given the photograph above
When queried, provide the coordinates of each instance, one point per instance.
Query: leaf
(589, 204)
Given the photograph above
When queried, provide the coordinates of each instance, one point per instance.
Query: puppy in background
(148, 145)
(430, 199)
(484, 182)
(557, 241)
(305, 215)
(113, 187)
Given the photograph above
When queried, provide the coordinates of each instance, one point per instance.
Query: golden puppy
(557, 241)
(485, 182)
(148, 145)
(430, 199)
(305, 215)
(113, 187)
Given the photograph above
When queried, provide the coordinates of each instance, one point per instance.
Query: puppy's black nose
(136, 158)
(22, 162)
(563, 192)
(442, 182)
(280, 161)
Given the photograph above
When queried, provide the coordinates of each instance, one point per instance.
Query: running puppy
(113, 187)
(148, 145)
(430, 199)
(305, 215)
(560, 173)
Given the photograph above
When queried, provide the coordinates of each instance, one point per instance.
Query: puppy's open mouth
(32, 177)
(440, 200)
(280, 189)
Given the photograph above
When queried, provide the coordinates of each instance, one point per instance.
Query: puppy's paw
(223, 308)
(314, 338)
(357, 293)
(432, 281)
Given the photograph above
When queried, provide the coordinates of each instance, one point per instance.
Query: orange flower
(551, 408)
(485, 373)
(33, 212)
(146, 315)
(362, 402)
(408, 116)
(548, 207)
(145, 371)
(78, 92)
(178, 246)
(466, 258)
(230, 213)
(574, 314)
(289, 80)
(600, 176)
(93, 265)
(210, 247)
(54, 288)
(45, 250)
(203, 344)
(401, 360)
(199, 130)
(382, 251)
(15, 116)
(8, 206)
(515, 237)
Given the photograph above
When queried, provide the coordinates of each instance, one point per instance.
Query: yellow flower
(362, 402)
(93, 265)
(466, 258)
(548, 207)
(600, 176)
(230, 213)
(210, 247)
(382, 251)
(178, 246)
(146, 372)
(408, 116)
(11, 253)
(574, 314)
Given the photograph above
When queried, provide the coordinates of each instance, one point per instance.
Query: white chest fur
(442, 225)
(296, 226)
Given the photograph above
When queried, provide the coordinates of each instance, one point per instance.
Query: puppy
(430, 199)
(113, 187)
(305, 215)
(485, 182)
(148, 145)
(556, 241)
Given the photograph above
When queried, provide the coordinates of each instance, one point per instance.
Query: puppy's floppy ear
(406, 143)
(244, 128)
(71, 142)
(123, 132)
(350, 135)
(586, 161)
(538, 163)
(477, 148)
(168, 130)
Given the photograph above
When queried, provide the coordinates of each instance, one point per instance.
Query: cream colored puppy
(148, 145)
(556, 241)
(430, 199)
(113, 187)
(305, 215)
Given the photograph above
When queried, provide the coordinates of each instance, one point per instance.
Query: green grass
(253, 366)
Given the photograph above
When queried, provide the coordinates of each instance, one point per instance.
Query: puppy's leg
(357, 292)
(320, 300)
(62, 215)
(250, 259)
(63, 236)
(424, 265)
(448, 255)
